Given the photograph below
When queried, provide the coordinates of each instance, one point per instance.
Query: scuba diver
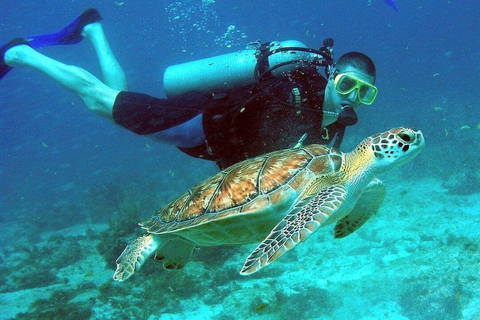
(226, 108)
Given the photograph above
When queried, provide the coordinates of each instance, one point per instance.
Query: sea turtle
(281, 198)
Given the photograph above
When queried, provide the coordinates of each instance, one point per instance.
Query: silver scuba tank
(228, 71)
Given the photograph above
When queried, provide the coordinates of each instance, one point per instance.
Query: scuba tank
(241, 68)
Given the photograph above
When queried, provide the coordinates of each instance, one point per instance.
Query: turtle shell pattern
(248, 186)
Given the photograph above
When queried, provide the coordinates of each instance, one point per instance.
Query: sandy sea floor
(419, 258)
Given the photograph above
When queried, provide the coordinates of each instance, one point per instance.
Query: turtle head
(395, 147)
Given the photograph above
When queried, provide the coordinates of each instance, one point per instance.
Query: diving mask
(345, 84)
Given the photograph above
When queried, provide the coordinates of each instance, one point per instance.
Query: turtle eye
(406, 136)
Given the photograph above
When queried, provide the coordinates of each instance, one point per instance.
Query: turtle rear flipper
(134, 255)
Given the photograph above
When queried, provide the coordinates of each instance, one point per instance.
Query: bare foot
(18, 55)
(92, 30)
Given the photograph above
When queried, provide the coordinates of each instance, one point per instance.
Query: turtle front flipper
(367, 206)
(295, 227)
(134, 256)
(175, 253)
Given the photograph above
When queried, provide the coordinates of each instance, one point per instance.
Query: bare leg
(98, 97)
(112, 72)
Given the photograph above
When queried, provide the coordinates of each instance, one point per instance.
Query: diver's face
(337, 101)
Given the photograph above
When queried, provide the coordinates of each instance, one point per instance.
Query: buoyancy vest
(245, 123)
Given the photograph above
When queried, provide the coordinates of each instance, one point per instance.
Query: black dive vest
(246, 123)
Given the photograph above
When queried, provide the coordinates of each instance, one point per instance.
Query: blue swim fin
(71, 34)
(392, 4)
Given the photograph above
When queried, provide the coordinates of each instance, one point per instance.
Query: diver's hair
(359, 61)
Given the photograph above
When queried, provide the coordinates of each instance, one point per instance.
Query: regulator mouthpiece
(347, 117)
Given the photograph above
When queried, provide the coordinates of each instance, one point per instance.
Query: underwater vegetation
(435, 295)
(37, 264)
(59, 305)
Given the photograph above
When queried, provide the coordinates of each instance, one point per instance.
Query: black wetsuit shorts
(176, 121)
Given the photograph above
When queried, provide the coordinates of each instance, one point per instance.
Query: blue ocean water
(63, 167)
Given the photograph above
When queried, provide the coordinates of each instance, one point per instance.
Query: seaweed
(39, 263)
(59, 306)
(425, 301)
